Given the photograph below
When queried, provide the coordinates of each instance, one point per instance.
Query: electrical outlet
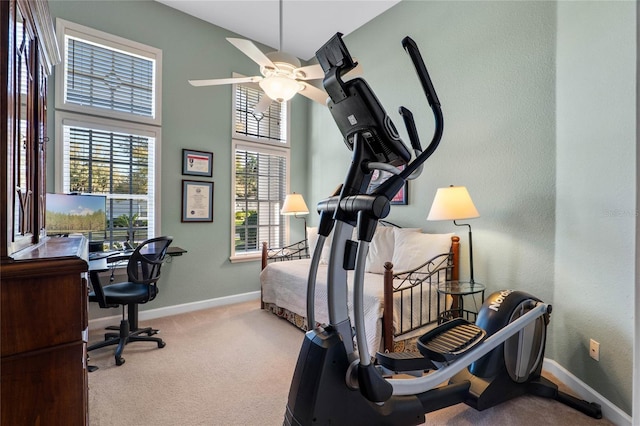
(594, 349)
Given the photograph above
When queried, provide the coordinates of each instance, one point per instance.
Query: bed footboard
(414, 284)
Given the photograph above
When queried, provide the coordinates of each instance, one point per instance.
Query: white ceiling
(307, 24)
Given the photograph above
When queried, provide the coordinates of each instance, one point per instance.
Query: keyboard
(101, 254)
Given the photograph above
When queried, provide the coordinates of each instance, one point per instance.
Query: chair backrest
(146, 260)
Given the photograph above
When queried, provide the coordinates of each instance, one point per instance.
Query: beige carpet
(232, 365)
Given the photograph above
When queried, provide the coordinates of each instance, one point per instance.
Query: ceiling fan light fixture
(280, 88)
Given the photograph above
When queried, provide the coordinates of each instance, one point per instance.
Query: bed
(400, 297)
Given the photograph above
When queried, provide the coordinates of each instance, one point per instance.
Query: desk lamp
(454, 203)
(294, 205)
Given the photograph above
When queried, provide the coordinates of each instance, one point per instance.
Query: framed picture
(197, 201)
(197, 163)
(379, 176)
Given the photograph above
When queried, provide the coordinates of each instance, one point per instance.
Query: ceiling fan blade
(248, 48)
(218, 81)
(310, 72)
(313, 72)
(263, 104)
(313, 93)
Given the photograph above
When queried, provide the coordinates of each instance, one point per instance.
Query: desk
(459, 290)
(104, 264)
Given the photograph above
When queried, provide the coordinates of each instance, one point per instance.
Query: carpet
(232, 365)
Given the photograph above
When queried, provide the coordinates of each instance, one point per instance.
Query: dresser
(44, 330)
(43, 286)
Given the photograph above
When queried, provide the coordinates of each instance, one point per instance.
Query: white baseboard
(584, 391)
(166, 311)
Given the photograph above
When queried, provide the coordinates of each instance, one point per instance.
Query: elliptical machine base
(319, 394)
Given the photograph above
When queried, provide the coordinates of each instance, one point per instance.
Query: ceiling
(307, 24)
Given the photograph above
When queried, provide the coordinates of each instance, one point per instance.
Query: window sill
(245, 258)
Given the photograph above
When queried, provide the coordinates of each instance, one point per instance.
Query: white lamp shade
(294, 204)
(452, 203)
(280, 88)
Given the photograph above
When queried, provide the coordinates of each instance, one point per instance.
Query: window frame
(261, 145)
(107, 119)
(64, 28)
(260, 141)
(63, 118)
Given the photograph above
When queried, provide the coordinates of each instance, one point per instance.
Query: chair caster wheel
(119, 361)
(161, 344)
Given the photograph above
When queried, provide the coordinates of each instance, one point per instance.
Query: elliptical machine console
(338, 382)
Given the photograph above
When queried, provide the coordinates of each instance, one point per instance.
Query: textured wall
(595, 207)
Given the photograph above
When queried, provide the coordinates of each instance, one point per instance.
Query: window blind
(260, 189)
(102, 77)
(118, 165)
(270, 125)
(112, 85)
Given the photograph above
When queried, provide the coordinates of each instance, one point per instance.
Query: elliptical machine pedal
(450, 340)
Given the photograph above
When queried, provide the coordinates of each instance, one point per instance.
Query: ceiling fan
(282, 76)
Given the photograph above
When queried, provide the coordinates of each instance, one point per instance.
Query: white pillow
(312, 238)
(380, 250)
(412, 249)
(381, 247)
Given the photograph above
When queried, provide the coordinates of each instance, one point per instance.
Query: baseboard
(584, 391)
(166, 311)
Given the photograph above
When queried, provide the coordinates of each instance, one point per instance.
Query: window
(260, 174)
(107, 127)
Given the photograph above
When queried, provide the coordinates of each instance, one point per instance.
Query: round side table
(458, 290)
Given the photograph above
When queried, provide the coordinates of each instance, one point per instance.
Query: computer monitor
(76, 214)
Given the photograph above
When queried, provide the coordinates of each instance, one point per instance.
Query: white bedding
(285, 285)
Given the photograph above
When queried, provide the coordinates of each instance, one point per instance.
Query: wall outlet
(594, 349)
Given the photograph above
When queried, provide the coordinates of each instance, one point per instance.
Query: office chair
(143, 272)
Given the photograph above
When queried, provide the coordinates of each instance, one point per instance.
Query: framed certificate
(197, 201)
(197, 163)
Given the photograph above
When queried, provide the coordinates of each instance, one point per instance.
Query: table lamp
(454, 203)
(294, 205)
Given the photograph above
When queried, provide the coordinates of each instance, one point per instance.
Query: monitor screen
(76, 214)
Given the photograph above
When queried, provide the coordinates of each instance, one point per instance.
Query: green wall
(596, 194)
(195, 118)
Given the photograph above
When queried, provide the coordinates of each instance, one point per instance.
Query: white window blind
(260, 173)
(106, 75)
(268, 126)
(108, 123)
(118, 165)
(101, 77)
(260, 189)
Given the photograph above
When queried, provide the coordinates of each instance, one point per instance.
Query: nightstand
(459, 290)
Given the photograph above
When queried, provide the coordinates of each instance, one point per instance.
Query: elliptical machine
(336, 381)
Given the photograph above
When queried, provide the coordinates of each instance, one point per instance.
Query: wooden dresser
(44, 323)
(43, 303)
